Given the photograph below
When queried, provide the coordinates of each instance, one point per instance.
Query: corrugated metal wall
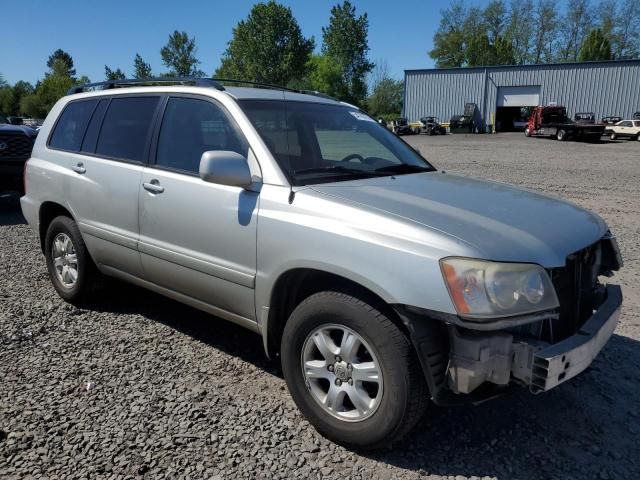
(606, 88)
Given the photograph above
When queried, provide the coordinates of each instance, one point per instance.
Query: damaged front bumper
(500, 358)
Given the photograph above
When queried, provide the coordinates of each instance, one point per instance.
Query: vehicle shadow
(10, 213)
(583, 429)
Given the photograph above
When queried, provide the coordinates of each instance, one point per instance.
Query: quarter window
(191, 127)
(126, 128)
(70, 128)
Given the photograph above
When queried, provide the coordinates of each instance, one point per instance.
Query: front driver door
(197, 238)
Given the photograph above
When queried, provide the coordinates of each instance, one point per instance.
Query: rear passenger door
(108, 171)
(198, 238)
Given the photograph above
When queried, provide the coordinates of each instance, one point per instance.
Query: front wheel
(613, 136)
(561, 135)
(352, 371)
(527, 132)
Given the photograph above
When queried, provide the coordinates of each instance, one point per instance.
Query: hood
(7, 127)
(501, 222)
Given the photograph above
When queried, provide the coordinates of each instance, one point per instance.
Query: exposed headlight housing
(487, 290)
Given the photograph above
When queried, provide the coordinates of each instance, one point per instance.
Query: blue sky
(111, 32)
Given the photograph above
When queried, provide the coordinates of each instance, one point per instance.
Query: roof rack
(195, 81)
(198, 82)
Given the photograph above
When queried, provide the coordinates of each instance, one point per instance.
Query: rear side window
(126, 126)
(70, 127)
(191, 127)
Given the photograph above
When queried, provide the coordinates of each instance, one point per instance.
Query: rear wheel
(72, 271)
(352, 371)
(561, 135)
(527, 132)
(638, 137)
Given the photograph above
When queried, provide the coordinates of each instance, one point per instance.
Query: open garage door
(514, 106)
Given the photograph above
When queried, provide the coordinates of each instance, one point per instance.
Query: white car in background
(625, 129)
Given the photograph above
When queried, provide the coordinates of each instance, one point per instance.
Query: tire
(613, 136)
(87, 277)
(638, 137)
(399, 395)
(561, 135)
(527, 132)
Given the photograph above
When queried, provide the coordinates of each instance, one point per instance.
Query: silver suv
(381, 283)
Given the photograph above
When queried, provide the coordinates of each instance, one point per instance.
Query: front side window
(637, 123)
(126, 127)
(625, 124)
(317, 142)
(191, 127)
(70, 127)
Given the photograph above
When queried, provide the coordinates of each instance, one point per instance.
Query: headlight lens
(485, 289)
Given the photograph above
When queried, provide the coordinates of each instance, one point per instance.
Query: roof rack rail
(198, 82)
(254, 84)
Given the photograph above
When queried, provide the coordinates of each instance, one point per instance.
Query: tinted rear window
(126, 128)
(70, 128)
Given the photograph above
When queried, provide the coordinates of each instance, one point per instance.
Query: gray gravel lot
(139, 386)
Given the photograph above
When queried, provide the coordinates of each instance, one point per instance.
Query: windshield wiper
(403, 168)
(336, 169)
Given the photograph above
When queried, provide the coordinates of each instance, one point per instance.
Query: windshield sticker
(362, 117)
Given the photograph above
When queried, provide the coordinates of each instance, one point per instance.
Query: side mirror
(225, 168)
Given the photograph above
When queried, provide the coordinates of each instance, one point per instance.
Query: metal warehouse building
(501, 93)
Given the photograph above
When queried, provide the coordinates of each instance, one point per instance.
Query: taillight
(24, 178)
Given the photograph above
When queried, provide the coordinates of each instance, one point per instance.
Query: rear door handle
(153, 186)
(79, 168)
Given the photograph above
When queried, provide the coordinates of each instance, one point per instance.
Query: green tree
(345, 40)
(595, 47)
(62, 62)
(141, 68)
(626, 40)
(576, 23)
(545, 24)
(268, 46)
(519, 30)
(10, 97)
(116, 74)
(179, 55)
(323, 75)
(494, 17)
(386, 98)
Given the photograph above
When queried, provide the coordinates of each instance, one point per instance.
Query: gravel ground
(139, 386)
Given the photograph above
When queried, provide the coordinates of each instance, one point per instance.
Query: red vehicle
(552, 121)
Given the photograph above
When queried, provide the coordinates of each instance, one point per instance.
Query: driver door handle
(153, 186)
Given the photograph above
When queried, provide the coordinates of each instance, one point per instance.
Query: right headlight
(482, 289)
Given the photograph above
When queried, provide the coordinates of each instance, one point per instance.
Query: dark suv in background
(16, 142)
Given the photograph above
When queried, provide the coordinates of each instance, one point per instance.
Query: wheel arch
(296, 284)
(46, 213)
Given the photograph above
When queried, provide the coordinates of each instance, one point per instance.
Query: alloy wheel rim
(65, 260)
(342, 372)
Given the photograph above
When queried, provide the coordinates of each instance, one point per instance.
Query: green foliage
(534, 31)
(141, 68)
(345, 40)
(10, 97)
(116, 74)
(595, 47)
(323, 75)
(268, 46)
(61, 63)
(179, 55)
(386, 98)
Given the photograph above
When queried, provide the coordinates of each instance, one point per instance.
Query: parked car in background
(552, 121)
(16, 142)
(431, 126)
(400, 126)
(636, 116)
(611, 120)
(625, 129)
(378, 282)
(585, 118)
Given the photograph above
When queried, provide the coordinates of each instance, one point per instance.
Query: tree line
(268, 46)
(536, 31)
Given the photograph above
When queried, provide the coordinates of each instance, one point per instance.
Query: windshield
(318, 143)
